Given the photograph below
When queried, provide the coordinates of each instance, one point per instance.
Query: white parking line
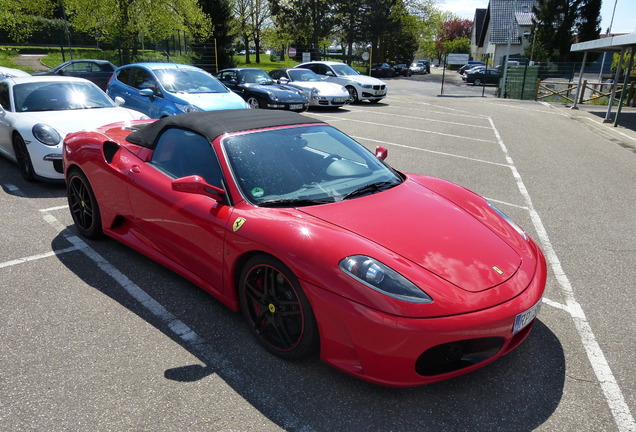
(423, 119)
(50, 209)
(331, 117)
(429, 151)
(37, 257)
(609, 385)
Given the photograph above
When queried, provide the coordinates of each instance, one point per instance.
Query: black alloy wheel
(276, 309)
(23, 158)
(83, 205)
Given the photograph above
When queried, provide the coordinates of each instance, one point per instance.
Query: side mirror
(120, 101)
(195, 184)
(147, 93)
(381, 152)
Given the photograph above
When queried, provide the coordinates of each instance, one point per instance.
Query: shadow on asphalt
(518, 392)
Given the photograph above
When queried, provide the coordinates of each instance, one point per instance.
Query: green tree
(21, 17)
(588, 20)
(348, 25)
(311, 21)
(559, 23)
(220, 13)
(428, 19)
(125, 22)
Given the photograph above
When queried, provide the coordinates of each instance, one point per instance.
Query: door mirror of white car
(283, 80)
(119, 101)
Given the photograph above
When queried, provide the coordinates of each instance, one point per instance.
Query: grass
(6, 58)
(266, 62)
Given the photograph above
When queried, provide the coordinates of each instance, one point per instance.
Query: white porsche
(36, 113)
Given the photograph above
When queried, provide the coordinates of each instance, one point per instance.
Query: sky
(624, 17)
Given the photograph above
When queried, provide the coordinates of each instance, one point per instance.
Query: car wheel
(353, 94)
(477, 82)
(83, 205)
(276, 309)
(23, 158)
(253, 102)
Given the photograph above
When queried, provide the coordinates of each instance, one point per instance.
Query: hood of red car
(429, 230)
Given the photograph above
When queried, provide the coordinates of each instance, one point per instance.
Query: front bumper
(292, 106)
(47, 161)
(396, 351)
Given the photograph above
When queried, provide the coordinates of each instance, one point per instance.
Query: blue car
(164, 89)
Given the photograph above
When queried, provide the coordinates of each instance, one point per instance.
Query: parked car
(6, 72)
(382, 70)
(97, 71)
(360, 87)
(472, 70)
(317, 241)
(402, 69)
(319, 92)
(164, 89)
(420, 67)
(471, 64)
(260, 91)
(482, 76)
(36, 112)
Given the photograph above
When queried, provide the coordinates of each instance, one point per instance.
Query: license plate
(296, 106)
(525, 318)
(338, 100)
(380, 92)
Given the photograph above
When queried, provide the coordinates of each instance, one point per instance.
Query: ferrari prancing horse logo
(238, 223)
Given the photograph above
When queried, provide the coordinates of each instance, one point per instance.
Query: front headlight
(46, 134)
(187, 108)
(383, 279)
(510, 221)
(367, 86)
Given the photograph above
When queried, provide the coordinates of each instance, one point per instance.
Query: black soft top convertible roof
(212, 124)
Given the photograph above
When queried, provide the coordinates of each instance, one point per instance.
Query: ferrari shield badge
(238, 223)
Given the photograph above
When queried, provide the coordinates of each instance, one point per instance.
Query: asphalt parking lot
(96, 337)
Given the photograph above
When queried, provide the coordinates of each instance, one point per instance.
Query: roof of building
(502, 16)
(479, 24)
(613, 43)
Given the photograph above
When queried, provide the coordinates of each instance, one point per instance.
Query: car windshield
(344, 69)
(304, 165)
(254, 76)
(59, 95)
(188, 80)
(303, 75)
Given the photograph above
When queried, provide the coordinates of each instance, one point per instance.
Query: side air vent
(110, 149)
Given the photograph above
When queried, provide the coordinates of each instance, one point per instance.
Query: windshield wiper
(294, 202)
(370, 188)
